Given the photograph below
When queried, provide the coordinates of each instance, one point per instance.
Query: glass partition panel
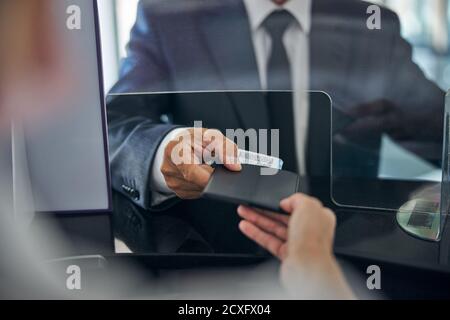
(386, 161)
(387, 144)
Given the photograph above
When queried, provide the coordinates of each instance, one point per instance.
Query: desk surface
(367, 234)
(375, 234)
(371, 237)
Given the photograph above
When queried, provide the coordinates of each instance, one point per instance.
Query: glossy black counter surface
(375, 234)
(412, 268)
(372, 234)
(368, 234)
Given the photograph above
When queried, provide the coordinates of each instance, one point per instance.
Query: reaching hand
(310, 232)
(303, 242)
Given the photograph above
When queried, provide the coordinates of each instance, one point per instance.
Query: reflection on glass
(393, 147)
(386, 87)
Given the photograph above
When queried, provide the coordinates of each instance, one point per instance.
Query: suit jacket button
(135, 195)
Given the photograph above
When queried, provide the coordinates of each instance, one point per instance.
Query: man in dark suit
(194, 45)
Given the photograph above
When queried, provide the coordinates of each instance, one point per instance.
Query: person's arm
(412, 91)
(303, 242)
(134, 141)
(411, 107)
(419, 99)
(135, 130)
(140, 145)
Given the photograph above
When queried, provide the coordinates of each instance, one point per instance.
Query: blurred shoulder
(353, 14)
(185, 7)
(350, 8)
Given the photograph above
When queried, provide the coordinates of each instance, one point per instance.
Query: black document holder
(250, 188)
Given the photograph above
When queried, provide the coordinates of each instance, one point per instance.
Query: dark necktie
(279, 78)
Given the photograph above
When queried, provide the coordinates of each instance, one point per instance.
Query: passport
(248, 187)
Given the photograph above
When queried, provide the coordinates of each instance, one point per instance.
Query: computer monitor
(67, 157)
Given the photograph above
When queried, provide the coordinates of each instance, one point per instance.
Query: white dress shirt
(296, 41)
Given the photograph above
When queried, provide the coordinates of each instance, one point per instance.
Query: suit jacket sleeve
(410, 89)
(135, 128)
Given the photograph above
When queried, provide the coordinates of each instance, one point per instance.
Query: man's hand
(186, 167)
(303, 242)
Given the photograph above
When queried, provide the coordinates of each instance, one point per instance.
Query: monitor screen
(67, 155)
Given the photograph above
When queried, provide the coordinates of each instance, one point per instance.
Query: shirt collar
(259, 10)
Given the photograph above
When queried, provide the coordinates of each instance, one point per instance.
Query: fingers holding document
(312, 226)
(303, 241)
(307, 230)
(269, 230)
(188, 160)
